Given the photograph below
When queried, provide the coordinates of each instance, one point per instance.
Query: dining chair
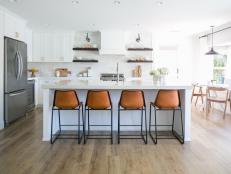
(198, 91)
(216, 95)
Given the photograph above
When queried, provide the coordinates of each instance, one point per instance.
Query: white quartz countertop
(97, 84)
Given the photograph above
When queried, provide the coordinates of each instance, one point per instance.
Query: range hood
(112, 42)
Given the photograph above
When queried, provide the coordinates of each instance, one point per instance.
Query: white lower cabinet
(52, 47)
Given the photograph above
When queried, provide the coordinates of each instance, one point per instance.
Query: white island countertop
(97, 84)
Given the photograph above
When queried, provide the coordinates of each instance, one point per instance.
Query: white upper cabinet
(14, 27)
(112, 42)
(1, 22)
(52, 47)
(28, 40)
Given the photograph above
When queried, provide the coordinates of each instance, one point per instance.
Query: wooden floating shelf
(85, 49)
(139, 61)
(140, 49)
(86, 61)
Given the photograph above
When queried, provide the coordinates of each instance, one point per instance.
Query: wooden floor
(23, 152)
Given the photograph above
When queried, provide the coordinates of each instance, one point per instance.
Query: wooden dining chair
(198, 91)
(216, 95)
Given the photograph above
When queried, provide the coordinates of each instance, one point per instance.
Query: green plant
(159, 72)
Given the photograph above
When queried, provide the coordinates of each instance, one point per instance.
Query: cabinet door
(68, 46)
(14, 27)
(9, 27)
(59, 47)
(1, 23)
(36, 48)
(28, 40)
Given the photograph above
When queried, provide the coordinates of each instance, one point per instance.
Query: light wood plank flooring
(23, 152)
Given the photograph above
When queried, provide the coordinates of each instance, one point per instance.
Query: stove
(111, 77)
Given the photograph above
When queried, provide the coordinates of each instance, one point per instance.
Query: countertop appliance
(111, 77)
(15, 79)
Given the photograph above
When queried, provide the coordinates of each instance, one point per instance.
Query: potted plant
(159, 74)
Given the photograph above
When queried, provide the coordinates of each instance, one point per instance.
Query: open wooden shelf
(86, 61)
(139, 61)
(85, 49)
(140, 49)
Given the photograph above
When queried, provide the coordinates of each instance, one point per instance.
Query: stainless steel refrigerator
(15, 79)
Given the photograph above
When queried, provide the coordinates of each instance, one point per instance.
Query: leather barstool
(98, 100)
(66, 100)
(132, 100)
(166, 100)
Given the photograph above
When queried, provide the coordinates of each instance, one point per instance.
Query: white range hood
(112, 42)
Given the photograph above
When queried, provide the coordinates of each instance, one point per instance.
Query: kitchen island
(150, 89)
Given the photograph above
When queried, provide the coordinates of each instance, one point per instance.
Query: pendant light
(87, 38)
(138, 38)
(211, 51)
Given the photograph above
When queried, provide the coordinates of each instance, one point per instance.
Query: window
(219, 68)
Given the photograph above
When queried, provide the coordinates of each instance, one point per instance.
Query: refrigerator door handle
(21, 64)
(18, 93)
(18, 66)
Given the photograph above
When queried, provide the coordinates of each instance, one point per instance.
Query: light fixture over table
(211, 51)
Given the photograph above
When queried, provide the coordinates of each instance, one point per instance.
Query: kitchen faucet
(117, 72)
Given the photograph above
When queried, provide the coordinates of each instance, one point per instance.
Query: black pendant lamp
(211, 51)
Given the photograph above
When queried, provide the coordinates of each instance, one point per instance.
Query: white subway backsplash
(106, 64)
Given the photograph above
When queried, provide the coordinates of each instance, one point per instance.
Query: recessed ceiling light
(160, 3)
(75, 2)
(117, 2)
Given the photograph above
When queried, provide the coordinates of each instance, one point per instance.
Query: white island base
(103, 117)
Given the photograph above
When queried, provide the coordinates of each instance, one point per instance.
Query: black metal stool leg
(79, 137)
(51, 139)
(173, 119)
(146, 131)
(111, 126)
(150, 118)
(60, 129)
(119, 125)
(155, 126)
(85, 122)
(141, 127)
(182, 126)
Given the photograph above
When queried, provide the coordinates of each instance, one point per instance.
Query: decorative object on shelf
(137, 72)
(87, 38)
(140, 49)
(33, 72)
(138, 38)
(85, 73)
(62, 72)
(212, 51)
(139, 59)
(159, 74)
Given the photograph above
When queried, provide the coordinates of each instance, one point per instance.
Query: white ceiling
(189, 16)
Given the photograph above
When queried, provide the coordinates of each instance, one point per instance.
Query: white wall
(202, 64)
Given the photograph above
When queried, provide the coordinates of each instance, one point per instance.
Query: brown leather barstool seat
(66, 100)
(98, 100)
(166, 100)
(132, 100)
